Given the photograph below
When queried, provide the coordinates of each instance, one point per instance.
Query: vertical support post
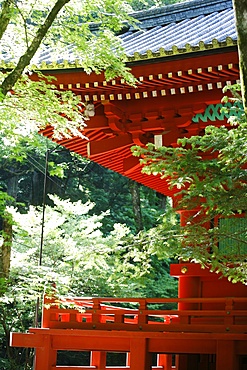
(229, 319)
(142, 317)
(98, 359)
(96, 317)
(127, 359)
(140, 358)
(225, 356)
(165, 361)
(45, 357)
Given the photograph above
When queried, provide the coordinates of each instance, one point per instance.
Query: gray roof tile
(187, 25)
(216, 25)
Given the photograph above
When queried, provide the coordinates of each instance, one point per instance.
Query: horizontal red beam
(27, 340)
(84, 340)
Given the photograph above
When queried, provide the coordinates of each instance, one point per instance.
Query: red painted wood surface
(168, 95)
(94, 314)
(97, 326)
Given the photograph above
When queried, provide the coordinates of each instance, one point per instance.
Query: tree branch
(5, 16)
(24, 24)
(25, 59)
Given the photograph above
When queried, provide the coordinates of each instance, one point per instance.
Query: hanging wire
(41, 169)
(48, 151)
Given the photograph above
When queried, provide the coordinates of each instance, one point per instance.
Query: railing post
(140, 358)
(98, 359)
(229, 318)
(95, 314)
(142, 316)
(165, 361)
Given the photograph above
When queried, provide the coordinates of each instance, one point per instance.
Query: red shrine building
(182, 56)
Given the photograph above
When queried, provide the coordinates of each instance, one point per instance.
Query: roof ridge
(179, 11)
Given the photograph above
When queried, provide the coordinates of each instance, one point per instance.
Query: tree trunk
(12, 186)
(136, 203)
(36, 196)
(240, 7)
(5, 248)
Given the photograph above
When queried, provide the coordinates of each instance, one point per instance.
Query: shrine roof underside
(182, 56)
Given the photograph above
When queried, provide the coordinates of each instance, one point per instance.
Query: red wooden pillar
(45, 357)
(140, 358)
(165, 361)
(98, 359)
(189, 286)
(226, 355)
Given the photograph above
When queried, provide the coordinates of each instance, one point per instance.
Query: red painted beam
(114, 341)
(26, 340)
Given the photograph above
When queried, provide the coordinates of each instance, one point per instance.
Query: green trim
(216, 113)
(234, 240)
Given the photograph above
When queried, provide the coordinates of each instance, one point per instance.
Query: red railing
(202, 315)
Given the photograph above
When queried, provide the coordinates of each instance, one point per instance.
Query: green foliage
(29, 101)
(207, 174)
(91, 256)
(35, 105)
(146, 4)
(79, 258)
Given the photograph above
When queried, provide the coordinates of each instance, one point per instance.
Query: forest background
(88, 208)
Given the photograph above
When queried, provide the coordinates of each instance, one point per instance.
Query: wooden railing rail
(99, 313)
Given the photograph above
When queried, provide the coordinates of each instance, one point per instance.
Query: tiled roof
(180, 28)
(194, 25)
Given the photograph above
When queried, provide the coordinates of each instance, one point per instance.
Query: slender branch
(5, 16)
(25, 59)
(24, 23)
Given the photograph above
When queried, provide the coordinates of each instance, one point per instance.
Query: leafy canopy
(84, 32)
